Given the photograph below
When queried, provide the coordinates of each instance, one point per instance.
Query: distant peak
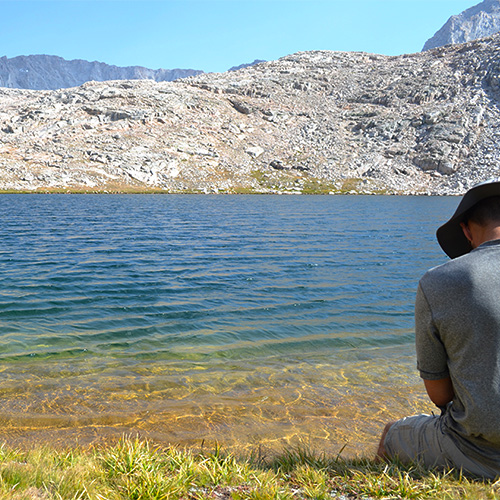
(479, 21)
(246, 65)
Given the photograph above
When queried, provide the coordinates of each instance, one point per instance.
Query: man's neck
(482, 234)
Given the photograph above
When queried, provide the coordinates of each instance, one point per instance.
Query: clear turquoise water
(241, 319)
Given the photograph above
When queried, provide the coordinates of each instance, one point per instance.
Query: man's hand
(440, 391)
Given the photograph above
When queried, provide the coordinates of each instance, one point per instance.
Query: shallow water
(247, 320)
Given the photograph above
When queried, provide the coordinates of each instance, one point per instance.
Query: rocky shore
(311, 122)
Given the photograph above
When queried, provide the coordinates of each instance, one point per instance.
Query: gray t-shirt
(457, 319)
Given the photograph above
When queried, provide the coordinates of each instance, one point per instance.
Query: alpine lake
(253, 322)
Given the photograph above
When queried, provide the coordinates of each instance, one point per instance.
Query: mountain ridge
(48, 72)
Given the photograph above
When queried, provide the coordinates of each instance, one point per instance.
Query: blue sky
(213, 35)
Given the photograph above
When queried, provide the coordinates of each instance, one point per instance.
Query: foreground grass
(138, 470)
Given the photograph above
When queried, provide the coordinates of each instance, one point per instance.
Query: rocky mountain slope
(479, 21)
(426, 123)
(42, 72)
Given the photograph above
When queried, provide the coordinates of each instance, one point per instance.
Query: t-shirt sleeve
(431, 354)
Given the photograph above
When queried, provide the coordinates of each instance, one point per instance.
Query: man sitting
(457, 331)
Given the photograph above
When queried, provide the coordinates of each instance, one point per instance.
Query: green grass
(287, 181)
(268, 182)
(134, 469)
(316, 186)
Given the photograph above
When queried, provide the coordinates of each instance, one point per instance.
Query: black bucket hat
(450, 235)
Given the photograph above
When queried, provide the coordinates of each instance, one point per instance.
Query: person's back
(458, 304)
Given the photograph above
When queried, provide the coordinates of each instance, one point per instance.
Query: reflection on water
(251, 321)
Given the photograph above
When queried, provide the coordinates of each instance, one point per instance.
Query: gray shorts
(421, 439)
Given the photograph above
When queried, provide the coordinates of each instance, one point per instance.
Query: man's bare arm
(440, 391)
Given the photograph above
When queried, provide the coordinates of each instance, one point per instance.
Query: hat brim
(450, 235)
